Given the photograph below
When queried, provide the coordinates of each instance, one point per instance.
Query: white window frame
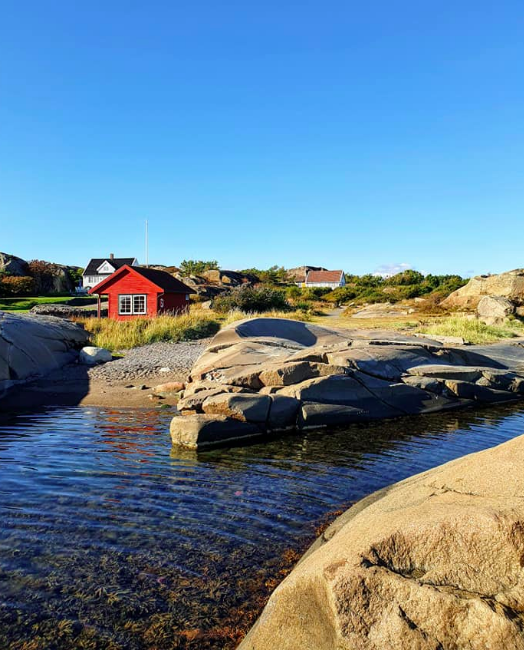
(133, 311)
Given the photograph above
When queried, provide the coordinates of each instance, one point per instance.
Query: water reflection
(117, 541)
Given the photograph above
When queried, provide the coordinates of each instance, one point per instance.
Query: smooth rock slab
(433, 562)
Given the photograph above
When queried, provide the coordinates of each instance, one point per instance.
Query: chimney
(111, 256)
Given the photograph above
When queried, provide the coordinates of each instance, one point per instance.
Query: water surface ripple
(110, 539)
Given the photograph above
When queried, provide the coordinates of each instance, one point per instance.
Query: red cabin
(133, 291)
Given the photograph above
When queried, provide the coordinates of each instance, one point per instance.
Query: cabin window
(132, 304)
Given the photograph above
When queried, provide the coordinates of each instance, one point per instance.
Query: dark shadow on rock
(295, 331)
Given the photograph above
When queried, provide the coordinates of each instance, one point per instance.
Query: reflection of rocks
(508, 285)
(331, 377)
(32, 346)
(433, 562)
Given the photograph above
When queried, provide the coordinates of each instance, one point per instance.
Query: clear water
(110, 539)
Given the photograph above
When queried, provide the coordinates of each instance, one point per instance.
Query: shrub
(249, 299)
(194, 267)
(17, 286)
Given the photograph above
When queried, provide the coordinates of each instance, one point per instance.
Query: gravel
(164, 360)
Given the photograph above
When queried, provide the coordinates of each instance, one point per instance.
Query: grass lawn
(24, 304)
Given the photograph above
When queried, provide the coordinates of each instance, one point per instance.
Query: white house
(331, 279)
(99, 269)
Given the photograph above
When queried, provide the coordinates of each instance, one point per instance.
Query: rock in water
(33, 346)
(276, 374)
(433, 562)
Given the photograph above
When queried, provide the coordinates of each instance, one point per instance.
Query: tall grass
(123, 335)
(236, 315)
(473, 330)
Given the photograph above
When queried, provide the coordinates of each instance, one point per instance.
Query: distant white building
(99, 269)
(331, 279)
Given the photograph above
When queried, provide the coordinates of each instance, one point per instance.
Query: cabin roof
(116, 263)
(163, 281)
(324, 276)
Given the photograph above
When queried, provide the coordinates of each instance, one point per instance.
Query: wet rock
(202, 430)
(283, 412)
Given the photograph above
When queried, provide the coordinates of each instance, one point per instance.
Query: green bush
(195, 267)
(249, 299)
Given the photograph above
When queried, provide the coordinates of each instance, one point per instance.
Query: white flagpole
(147, 246)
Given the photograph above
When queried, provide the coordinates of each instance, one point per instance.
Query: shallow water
(110, 539)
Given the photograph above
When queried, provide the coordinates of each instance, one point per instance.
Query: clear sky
(346, 134)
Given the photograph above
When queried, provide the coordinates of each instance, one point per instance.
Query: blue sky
(345, 134)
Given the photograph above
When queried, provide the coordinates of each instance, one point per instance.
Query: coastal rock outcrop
(435, 561)
(493, 310)
(508, 285)
(33, 346)
(267, 375)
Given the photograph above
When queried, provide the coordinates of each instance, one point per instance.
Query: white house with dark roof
(99, 269)
(331, 279)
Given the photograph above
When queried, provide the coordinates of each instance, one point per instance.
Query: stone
(434, 561)
(467, 390)
(494, 310)
(282, 412)
(286, 374)
(238, 406)
(464, 373)
(195, 401)
(385, 361)
(13, 265)
(314, 415)
(91, 355)
(508, 285)
(425, 383)
(279, 374)
(169, 387)
(342, 391)
(202, 431)
(32, 346)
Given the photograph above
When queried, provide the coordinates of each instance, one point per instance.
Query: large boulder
(33, 346)
(432, 562)
(508, 285)
(493, 310)
(279, 374)
(13, 265)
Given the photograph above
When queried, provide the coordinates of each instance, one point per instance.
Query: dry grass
(199, 323)
(473, 330)
(123, 335)
(236, 315)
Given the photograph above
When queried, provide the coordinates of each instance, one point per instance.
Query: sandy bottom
(72, 386)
